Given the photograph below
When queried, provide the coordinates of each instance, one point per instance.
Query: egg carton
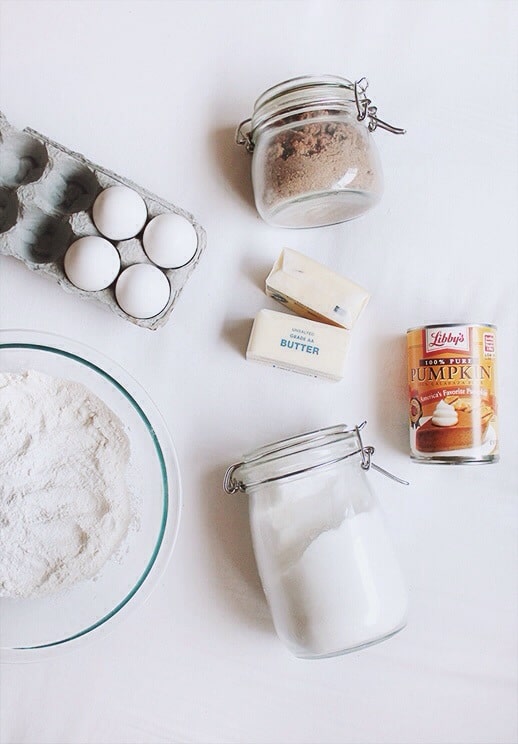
(46, 198)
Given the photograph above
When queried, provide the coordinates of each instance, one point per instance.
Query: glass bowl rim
(156, 427)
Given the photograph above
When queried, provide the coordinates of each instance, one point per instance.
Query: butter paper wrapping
(299, 345)
(313, 291)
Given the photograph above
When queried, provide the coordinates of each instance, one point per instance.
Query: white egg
(170, 241)
(142, 290)
(119, 213)
(92, 263)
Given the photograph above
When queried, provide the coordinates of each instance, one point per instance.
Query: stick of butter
(313, 291)
(291, 343)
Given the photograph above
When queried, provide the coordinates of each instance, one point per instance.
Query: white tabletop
(153, 91)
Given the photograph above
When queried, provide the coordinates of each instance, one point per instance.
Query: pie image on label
(460, 427)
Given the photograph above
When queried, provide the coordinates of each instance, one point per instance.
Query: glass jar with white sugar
(326, 563)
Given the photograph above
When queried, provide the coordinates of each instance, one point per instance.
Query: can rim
(451, 325)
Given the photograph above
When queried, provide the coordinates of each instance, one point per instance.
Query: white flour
(64, 503)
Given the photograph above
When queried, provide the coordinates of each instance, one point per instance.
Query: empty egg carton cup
(46, 198)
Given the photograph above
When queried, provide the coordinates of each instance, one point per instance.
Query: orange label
(452, 398)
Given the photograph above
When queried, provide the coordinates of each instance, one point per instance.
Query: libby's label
(447, 339)
(451, 385)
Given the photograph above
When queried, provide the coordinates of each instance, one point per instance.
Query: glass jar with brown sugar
(314, 161)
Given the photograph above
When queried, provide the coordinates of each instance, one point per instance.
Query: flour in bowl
(65, 505)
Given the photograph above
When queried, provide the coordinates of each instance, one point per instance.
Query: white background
(153, 90)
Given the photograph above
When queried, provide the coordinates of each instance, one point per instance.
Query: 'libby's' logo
(447, 339)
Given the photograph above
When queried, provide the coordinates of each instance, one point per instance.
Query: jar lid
(325, 90)
(310, 92)
(321, 447)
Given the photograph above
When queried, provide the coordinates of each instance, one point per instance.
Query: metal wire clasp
(231, 485)
(244, 137)
(367, 452)
(367, 109)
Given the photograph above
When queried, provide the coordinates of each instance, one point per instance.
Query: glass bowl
(32, 628)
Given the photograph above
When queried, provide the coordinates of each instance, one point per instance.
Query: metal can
(452, 396)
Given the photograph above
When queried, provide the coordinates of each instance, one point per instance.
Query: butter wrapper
(304, 346)
(313, 291)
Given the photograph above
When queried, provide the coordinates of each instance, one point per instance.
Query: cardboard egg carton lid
(46, 196)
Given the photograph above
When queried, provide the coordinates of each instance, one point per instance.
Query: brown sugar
(318, 156)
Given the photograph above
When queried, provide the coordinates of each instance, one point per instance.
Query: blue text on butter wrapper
(299, 346)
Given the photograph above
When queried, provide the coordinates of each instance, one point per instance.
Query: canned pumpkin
(452, 398)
